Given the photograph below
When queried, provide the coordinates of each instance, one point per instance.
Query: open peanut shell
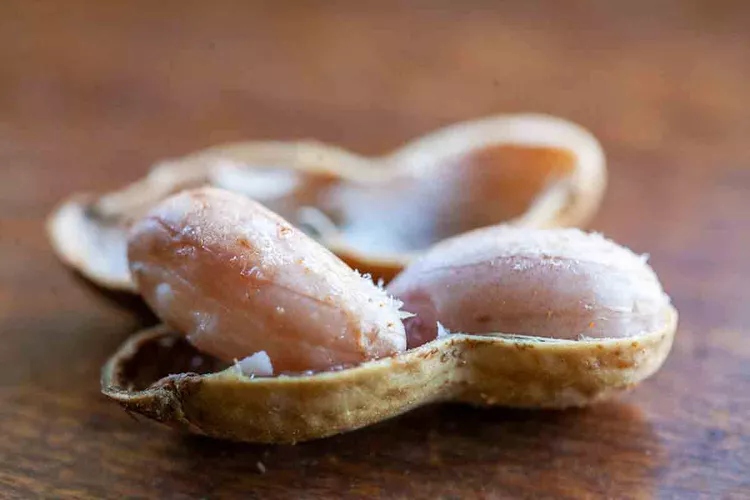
(157, 373)
(375, 213)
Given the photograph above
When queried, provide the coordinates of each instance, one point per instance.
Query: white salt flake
(442, 331)
(258, 364)
(405, 314)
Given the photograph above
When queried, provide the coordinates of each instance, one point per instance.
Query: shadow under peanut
(606, 450)
(125, 301)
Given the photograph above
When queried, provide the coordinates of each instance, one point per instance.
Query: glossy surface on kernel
(238, 279)
(563, 284)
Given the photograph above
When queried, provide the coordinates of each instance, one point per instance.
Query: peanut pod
(504, 316)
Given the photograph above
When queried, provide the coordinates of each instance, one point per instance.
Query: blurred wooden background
(91, 93)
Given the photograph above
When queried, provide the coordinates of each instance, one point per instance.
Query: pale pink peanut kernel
(561, 284)
(238, 279)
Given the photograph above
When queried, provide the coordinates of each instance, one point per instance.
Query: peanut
(238, 279)
(562, 284)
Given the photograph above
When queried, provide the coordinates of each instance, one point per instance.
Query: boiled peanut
(561, 284)
(238, 279)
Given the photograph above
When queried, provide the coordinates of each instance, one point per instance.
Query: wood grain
(91, 93)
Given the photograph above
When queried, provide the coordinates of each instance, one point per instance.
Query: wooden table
(91, 93)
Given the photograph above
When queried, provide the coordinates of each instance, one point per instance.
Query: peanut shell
(476, 369)
(376, 213)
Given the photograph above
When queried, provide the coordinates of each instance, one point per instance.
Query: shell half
(376, 213)
(156, 373)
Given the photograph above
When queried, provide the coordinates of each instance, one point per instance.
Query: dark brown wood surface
(91, 93)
